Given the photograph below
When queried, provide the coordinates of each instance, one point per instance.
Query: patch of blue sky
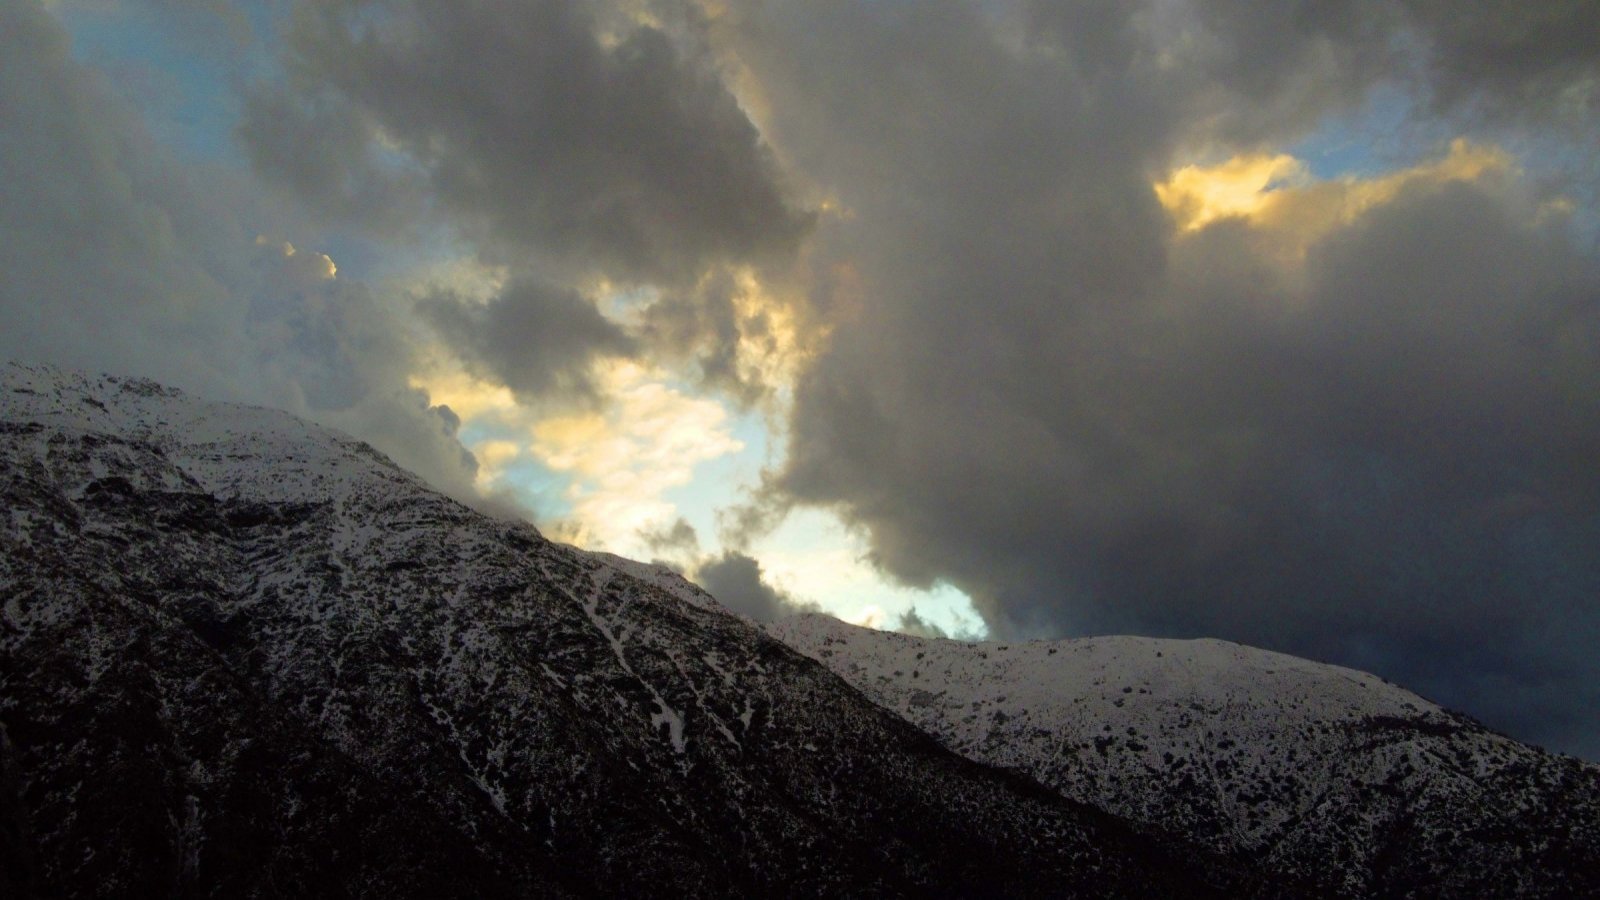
(1382, 134)
(817, 557)
(435, 244)
(623, 303)
(539, 486)
(359, 258)
(949, 609)
(542, 490)
(188, 93)
(1393, 129)
(1562, 164)
(183, 85)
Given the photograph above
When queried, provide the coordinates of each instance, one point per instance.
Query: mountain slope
(241, 655)
(1316, 771)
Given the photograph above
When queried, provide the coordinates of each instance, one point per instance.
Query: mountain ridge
(241, 654)
(1316, 771)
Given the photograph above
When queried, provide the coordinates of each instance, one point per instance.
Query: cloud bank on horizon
(1176, 317)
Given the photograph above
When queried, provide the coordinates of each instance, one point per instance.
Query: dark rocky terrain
(241, 656)
(1323, 774)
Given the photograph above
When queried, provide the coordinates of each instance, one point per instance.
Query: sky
(1274, 323)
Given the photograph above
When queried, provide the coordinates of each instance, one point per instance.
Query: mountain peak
(243, 654)
(1316, 771)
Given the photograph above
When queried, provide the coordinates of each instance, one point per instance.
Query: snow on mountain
(1316, 771)
(243, 655)
(667, 580)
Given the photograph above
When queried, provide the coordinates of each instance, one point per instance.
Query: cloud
(1348, 418)
(95, 220)
(624, 457)
(1290, 211)
(1196, 196)
(1257, 71)
(119, 256)
(676, 541)
(600, 148)
(915, 625)
(743, 335)
(534, 338)
(736, 581)
(1515, 59)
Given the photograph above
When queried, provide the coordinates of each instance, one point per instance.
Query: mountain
(242, 655)
(1317, 772)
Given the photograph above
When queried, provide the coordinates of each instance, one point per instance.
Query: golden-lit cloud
(318, 266)
(493, 456)
(467, 397)
(870, 617)
(622, 460)
(1276, 195)
(619, 459)
(1196, 196)
(744, 330)
(775, 340)
(490, 406)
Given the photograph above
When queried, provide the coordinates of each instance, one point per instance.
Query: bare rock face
(241, 655)
(1325, 775)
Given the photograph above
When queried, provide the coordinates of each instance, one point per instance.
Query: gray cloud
(1278, 67)
(701, 325)
(913, 624)
(735, 580)
(1516, 58)
(323, 148)
(1045, 396)
(120, 257)
(678, 541)
(535, 338)
(620, 153)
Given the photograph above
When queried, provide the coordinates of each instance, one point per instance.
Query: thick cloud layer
(1356, 421)
(1375, 446)
(119, 257)
(534, 338)
(580, 147)
(541, 132)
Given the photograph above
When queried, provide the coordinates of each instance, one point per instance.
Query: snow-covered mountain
(1318, 772)
(241, 655)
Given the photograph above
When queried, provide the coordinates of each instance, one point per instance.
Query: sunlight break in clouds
(1277, 191)
(624, 458)
(470, 398)
(1196, 196)
(813, 556)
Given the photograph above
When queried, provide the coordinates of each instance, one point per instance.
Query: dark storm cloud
(119, 257)
(1540, 57)
(532, 337)
(735, 580)
(1046, 396)
(621, 153)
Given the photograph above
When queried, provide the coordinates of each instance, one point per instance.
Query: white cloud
(623, 459)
